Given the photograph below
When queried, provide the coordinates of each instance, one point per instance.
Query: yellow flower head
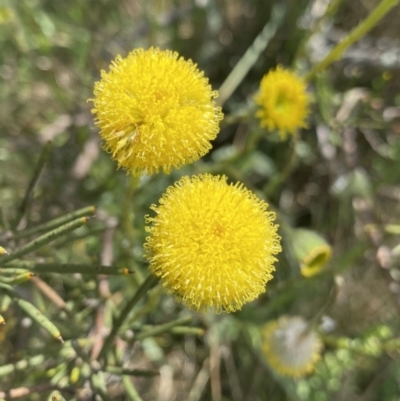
(283, 101)
(290, 347)
(212, 244)
(155, 110)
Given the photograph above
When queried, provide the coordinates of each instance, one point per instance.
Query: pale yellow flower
(290, 347)
(283, 101)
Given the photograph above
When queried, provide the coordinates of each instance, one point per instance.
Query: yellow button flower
(290, 347)
(155, 111)
(283, 101)
(212, 244)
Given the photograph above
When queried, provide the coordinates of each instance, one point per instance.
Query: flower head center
(219, 230)
(283, 101)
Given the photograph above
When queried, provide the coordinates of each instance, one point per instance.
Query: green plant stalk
(20, 278)
(163, 328)
(347, 343)
(358, 32)
(57, 373)
(53, 224)
(127, 212)
(392, 345)
(5, 302)
(99, 385)
(130, 389)
(33, 312)
(4, 220)
(184, 330)
(71, 268)
(331, 9)
(252, 54)
(44, 239)
(279, 178)
(141, 291)
(44, 156)
(130, 372)
(12, 271)
(392, 229)
(21, 365)
(177, 330)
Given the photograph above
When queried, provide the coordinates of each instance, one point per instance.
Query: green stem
(358, 32)
(28, 194)
(20, 278)
(162, 328)
(21, 365)
(131, 392)
(12, 271)
(99, 386)
(117, 370)
(44, 239)
(71, 268)
(33, 312)
(146, 285)
(330, 10)
(184, 330)
(252, 54)
(278, 179)
(357, 346)
(127, 211)
(59, 221)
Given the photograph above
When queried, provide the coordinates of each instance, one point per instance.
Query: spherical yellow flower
(211, 243)
(283, 101)
(290, 347)
(155, 110)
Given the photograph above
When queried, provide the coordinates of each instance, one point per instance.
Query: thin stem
(146, 285)
(59, 221)
(33, 312)
(130, 389)
(252, 54)
(117, 370)
(285, 173)
(44, 239)
(331, 9)
(358, 32)
(162, 328)
(70, 268)
(28, 194)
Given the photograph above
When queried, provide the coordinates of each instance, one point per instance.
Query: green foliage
(91, 323)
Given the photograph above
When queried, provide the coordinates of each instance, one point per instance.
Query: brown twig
(24, 391)
(50, 293)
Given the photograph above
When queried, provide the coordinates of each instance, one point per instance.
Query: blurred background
(341, 179)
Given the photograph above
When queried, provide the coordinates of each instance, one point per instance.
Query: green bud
(310, 250)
